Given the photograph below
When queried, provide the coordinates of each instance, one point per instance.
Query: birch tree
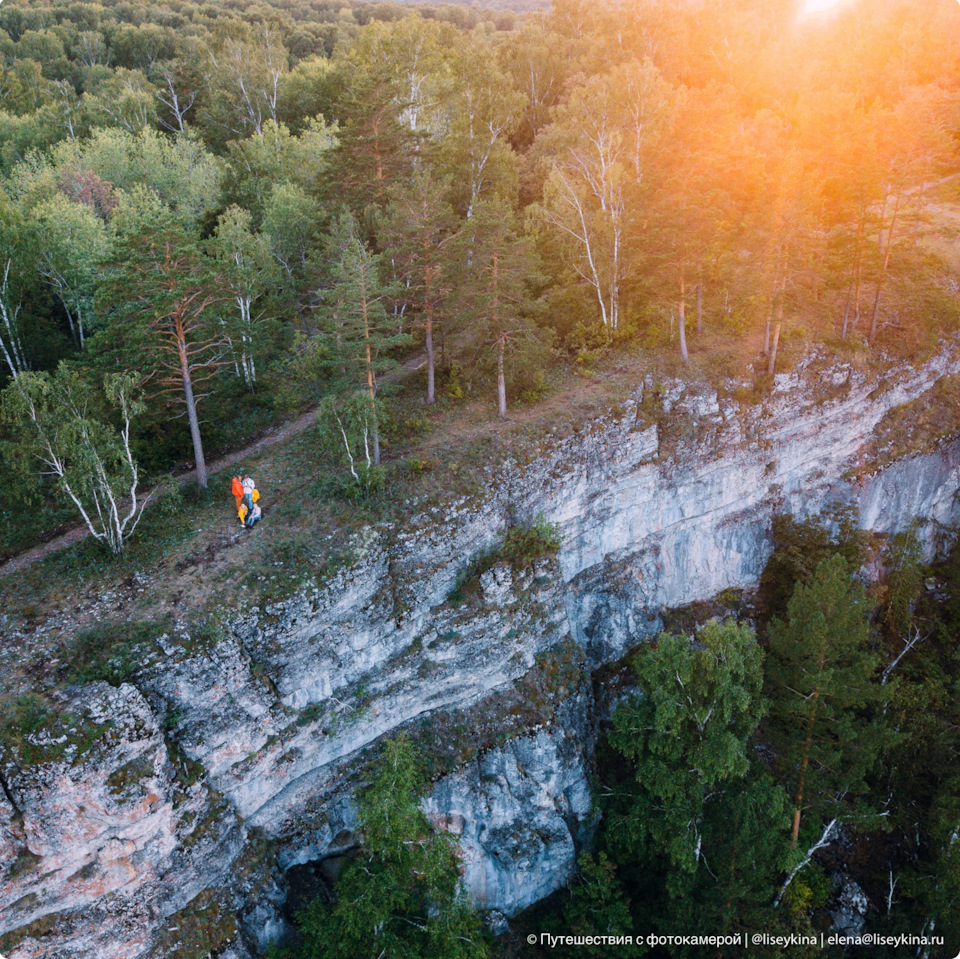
(596, 151)
(249, 71)
(16, 254)
(535, 58)
(126, 99)
(357, 332)
(178, 98)
(688, 733)
(249, 270)
(695, 812)
(916, 145)
(71, 254)
(90, 463)
(485, 109)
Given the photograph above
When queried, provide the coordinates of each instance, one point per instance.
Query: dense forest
(214, 215)
(246, 208)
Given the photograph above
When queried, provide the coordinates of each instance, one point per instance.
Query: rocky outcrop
(521, 812)
(665, 501)
(100, 832)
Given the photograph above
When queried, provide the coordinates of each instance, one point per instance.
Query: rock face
(98, 838)
(521, 812)
(662, 503)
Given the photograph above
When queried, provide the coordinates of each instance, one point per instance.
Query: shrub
(524, 544)
(111, 652)
(521, 546)
(30, 714)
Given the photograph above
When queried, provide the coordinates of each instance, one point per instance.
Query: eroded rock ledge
(223, 765)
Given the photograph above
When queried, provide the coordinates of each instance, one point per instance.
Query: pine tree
(415, 235)
(159, 293)
(493, 294)
(825, 693)
(598, 905)
(358, 335)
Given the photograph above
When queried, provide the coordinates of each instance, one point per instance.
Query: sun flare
(812, 8)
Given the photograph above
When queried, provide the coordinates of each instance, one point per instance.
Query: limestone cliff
(228, 764)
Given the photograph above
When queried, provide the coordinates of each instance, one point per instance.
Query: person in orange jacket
(236, 487)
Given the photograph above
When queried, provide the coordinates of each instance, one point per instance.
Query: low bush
(521, 547)
(111, 652)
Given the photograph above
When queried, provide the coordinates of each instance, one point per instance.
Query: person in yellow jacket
(248, 517)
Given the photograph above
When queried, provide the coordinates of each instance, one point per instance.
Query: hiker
(250, 493)
(250, 516)
(236, 488)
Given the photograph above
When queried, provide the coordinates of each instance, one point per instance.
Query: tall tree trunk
(802, 775)
(856, 296)
(846, 314)
(876, 313)
(886, 263)
(371, 384)
(428, 311)
(700, 300)
(378, 154)
(772, 362)
(682, 323)
(431, 389)
(773, 304)
(501, 338)
(501, 381)
(191, 403)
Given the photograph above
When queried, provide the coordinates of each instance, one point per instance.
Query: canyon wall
(226, 765)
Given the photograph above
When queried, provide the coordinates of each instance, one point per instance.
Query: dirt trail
(80, 532)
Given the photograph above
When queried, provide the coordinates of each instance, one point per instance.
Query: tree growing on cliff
(698, 828)
(400, 896)
(825, 692)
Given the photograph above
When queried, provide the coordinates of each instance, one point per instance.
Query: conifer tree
(823, 684)
(357, 333)
(159, 292)
(498, 266)
(415, 234)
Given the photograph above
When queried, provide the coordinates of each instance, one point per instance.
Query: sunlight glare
(812, 8)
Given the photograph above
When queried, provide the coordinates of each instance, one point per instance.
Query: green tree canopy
(401, 895)
(822, 680)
